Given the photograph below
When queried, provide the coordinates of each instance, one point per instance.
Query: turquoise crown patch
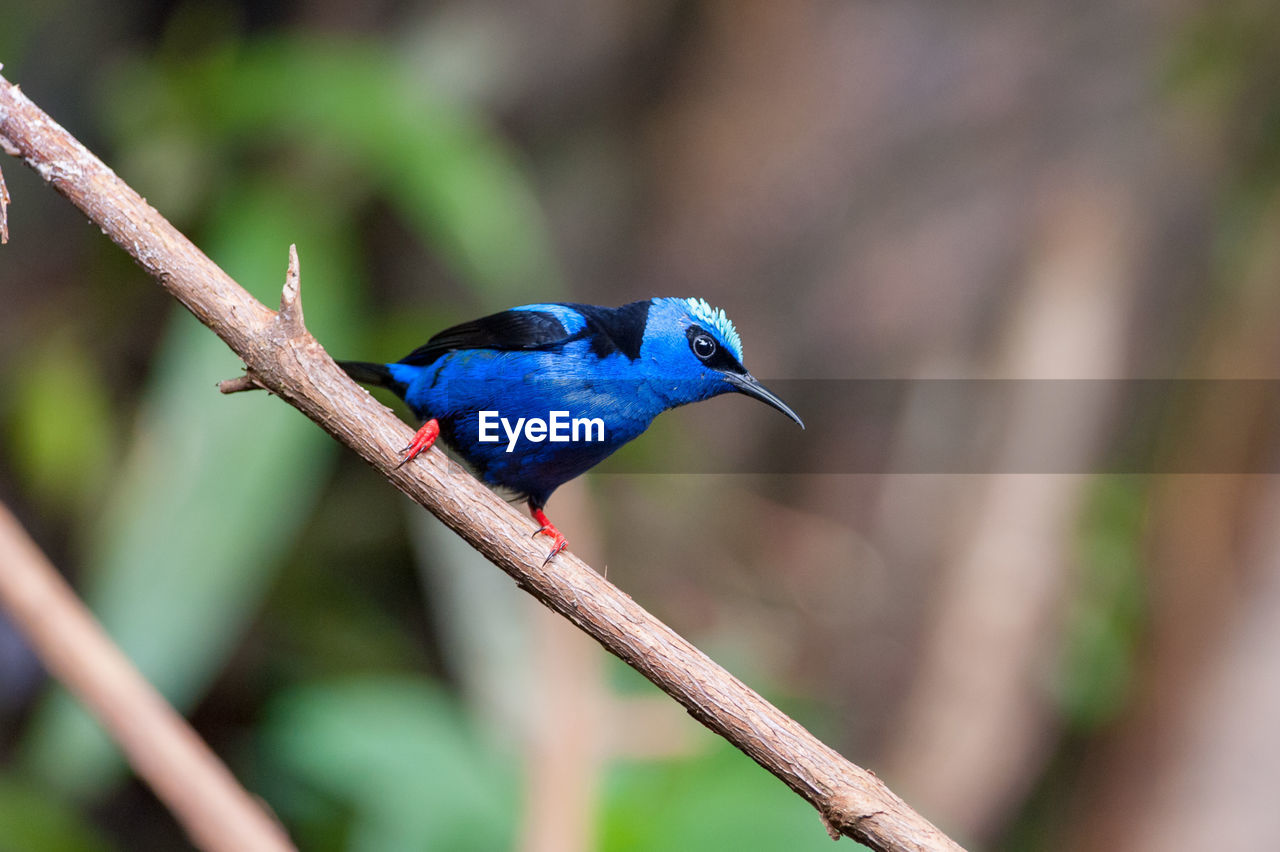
(717, 321)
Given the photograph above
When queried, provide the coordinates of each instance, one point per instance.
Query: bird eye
(703, 346)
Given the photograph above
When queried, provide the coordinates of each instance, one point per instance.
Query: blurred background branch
(217, 813)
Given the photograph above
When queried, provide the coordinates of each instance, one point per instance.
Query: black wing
(506, 331)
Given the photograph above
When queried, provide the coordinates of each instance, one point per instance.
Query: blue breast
(459, 385)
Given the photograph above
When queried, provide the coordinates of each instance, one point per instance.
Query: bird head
(697, 354)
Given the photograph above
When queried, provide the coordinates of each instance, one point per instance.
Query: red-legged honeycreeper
(536, 395)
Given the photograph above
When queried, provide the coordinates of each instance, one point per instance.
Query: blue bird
(533, 396)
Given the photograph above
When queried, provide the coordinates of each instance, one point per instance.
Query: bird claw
(422, 441)
(559, 542)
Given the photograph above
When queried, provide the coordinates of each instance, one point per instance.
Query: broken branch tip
(291, 297)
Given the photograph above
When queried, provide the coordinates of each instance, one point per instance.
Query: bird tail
(379, 375)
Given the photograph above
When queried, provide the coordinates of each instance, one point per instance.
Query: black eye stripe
(716, 357)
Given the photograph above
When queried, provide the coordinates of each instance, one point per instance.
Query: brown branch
(4, 190)
(201, 792)
(285, 359)
(4, 211)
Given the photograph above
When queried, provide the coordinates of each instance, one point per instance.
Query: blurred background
(871, 190)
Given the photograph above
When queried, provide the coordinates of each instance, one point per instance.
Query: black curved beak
(749, 385)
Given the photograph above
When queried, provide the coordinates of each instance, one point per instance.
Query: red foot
(422, 441)
(558, 540)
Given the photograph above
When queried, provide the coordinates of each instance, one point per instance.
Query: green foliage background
(434, 162)
(187, 506)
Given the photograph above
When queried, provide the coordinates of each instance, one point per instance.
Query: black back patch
(615, 329)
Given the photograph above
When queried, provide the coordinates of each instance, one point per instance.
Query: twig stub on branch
(240, 384)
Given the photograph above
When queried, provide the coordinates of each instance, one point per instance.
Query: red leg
(558, 540)
(422, 441)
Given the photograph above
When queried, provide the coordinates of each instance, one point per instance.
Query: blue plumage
(593, 376)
